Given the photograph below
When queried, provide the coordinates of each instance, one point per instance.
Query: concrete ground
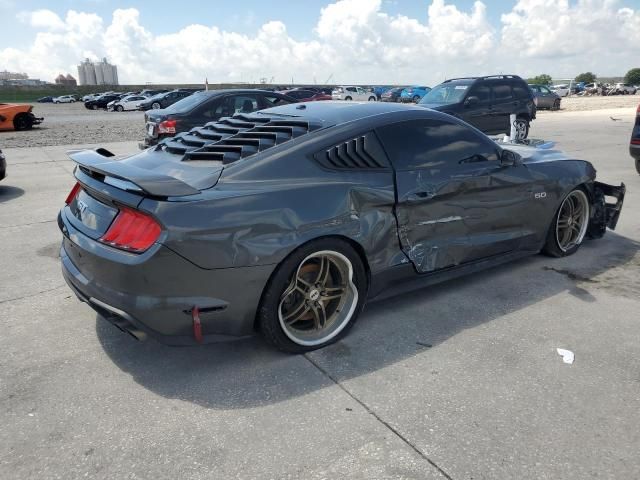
(458, 381)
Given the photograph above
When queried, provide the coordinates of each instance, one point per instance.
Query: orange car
(17, 116)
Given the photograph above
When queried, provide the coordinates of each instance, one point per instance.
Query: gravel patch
(68, 124)
(71, 123)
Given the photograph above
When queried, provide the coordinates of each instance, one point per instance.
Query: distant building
(97, 73)
(66, 80)
(5, 75)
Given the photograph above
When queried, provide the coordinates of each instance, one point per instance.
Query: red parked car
(306, 94)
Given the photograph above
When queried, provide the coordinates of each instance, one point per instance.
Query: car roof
(330, 113)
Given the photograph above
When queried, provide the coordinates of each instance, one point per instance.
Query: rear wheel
(416, 99)
(314, 297)
(155, 106)
(348, 99)
(522, 128)
(372, 99)
(556, 104)
(638, 165)
(22, 121)
(569, 225)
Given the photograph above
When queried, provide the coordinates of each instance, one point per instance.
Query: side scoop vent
(233, 138)
(361, 153)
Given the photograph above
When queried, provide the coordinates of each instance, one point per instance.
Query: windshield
(186, 104)
(446, 93)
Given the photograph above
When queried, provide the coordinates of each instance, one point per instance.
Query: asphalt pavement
(457, 381)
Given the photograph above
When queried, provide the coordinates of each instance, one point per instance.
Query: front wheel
(314, 297)
(22, 122)
(95, 107)
(522, 128)
(120, 108)
(556, 104)
(569, 225)
(372, 99)
(155, 106)
(416, 99)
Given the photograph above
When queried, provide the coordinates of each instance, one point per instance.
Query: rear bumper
(634, 151)
(153, 294)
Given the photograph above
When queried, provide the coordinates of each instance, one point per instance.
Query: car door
(478, 112)
(503, 105)
(546, 97)
(456, 201)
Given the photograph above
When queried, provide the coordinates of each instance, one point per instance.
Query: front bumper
(36, 120)
(153, 294)
(605, 214)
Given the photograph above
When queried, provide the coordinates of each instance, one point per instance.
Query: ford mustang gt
(287, 220)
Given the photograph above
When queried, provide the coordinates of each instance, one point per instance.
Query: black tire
(416, 99)
(155, 106)
(373, 99)
(119, 108)
(94, 106)
(524, 124)
(552, 246)
(347, 99)
(22, 122)
(638, 165)
(556, 104)
(269, 321)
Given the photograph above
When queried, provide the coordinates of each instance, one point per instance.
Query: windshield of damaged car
(446, 93)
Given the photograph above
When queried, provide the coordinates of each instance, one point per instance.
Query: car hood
(538, 151)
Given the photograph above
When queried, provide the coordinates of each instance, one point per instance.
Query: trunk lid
(153, 172)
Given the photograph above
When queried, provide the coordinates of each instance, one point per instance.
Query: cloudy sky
(356, 41)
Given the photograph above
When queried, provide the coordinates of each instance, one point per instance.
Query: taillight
(635, 141)
(132, 230)
(168, 126)
(73, 193)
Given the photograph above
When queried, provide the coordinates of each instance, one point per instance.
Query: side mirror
(470, 101)
(509, 158)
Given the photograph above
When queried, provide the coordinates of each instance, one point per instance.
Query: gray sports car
(286, 221)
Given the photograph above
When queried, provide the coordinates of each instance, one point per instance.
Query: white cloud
(353, 39)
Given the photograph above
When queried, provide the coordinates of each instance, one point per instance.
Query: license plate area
(152, 129)
(90, 214)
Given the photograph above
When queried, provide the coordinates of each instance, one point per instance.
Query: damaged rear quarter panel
(277, 204)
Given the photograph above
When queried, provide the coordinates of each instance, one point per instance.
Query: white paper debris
(567, 355)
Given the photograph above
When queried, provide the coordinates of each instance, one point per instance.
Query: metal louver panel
(360, 153)
(233, 138)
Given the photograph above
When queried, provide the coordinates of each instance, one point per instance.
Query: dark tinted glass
(482, 92)
(434, 144)
(520, 90)
(273, 101)
(501, 91)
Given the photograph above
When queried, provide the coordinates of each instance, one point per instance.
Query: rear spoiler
(129, 177)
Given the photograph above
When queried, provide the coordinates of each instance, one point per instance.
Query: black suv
(486, 102)
(634, 144)
(163, 100)
(101, 102)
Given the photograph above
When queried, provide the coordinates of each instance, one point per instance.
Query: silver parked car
(545, 97)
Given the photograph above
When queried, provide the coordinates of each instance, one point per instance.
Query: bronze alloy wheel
(572, 221)
(320, 300)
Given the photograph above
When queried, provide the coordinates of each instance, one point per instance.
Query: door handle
(418, 197)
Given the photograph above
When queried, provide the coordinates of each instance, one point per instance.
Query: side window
(501, 91)
(351, 89)
(273, 101)
(545, 90)
(218, 108)
(423, 144)
(521, 90)
(245, 103)
(482, 92)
